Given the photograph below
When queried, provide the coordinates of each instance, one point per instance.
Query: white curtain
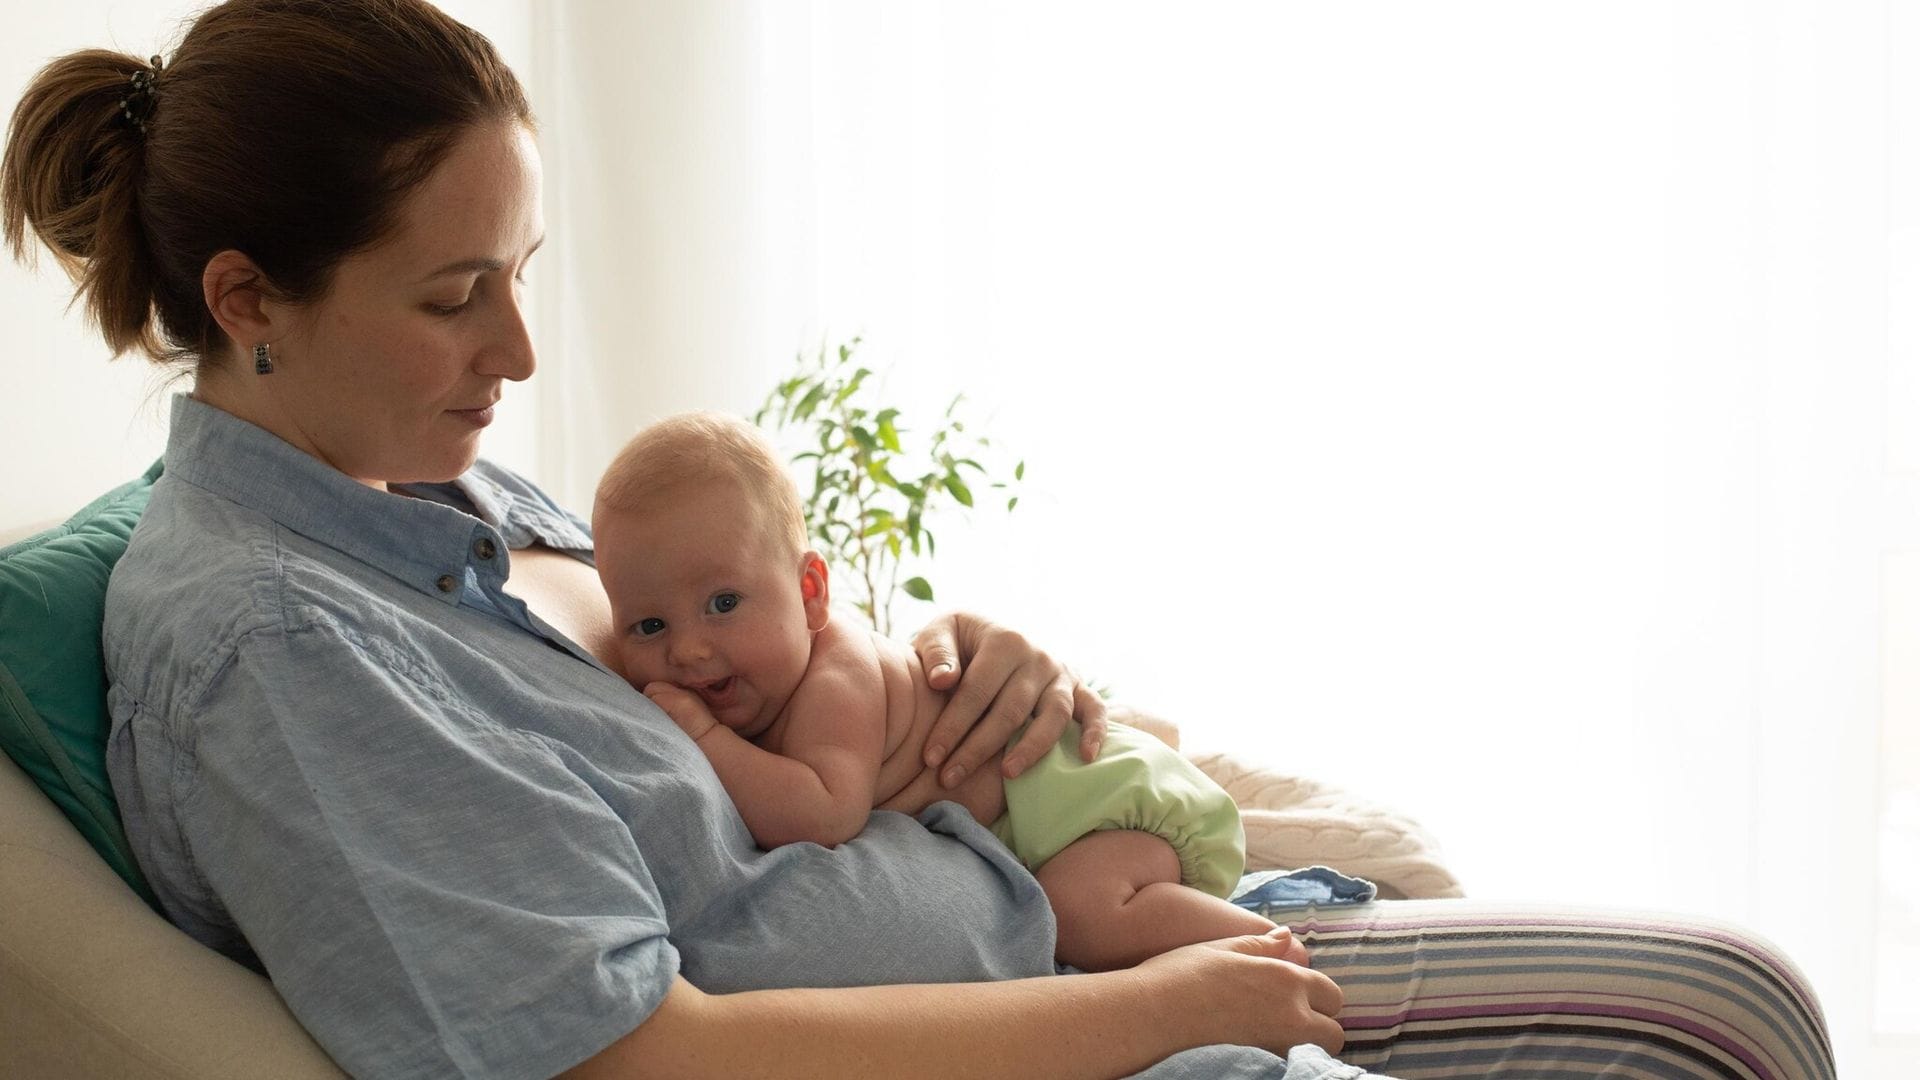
(1504, 409)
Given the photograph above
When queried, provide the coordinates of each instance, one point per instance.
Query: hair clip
(138, 105)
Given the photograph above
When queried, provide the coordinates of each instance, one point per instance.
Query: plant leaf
(810, 402)
(958, 489)
(853, 386)
(917, 588)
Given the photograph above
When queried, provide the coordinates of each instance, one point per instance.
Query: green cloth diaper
(1138, 782)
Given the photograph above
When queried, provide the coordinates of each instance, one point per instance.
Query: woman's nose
(510, 355)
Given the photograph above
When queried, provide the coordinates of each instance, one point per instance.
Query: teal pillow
(53, 680)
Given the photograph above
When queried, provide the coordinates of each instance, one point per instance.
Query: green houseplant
(877, 483)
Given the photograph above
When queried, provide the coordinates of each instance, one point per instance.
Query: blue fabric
(1241, 1063)
(458, 845)
(1265, 890)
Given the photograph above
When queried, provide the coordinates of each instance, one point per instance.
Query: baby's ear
(813, 589)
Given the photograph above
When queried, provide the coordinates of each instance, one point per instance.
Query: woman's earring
(262, 360)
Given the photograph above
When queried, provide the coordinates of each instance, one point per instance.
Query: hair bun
(72, 173)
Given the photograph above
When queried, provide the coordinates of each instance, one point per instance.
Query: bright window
(1481, 405)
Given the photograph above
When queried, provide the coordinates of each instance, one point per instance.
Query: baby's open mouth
(717, 692)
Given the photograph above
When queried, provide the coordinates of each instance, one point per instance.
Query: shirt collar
(421, 539)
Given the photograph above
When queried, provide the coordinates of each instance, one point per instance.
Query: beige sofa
(94, 984)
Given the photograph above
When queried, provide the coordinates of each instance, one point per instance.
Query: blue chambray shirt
(457, 844)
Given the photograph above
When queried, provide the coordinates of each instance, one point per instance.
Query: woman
(364, 738)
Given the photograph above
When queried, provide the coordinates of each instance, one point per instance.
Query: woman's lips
(477, 417)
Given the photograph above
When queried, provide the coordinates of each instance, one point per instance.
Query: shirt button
(484, 549)
(446, 583)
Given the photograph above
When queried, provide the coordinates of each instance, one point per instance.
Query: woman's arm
(999, 681)
(1240, 990)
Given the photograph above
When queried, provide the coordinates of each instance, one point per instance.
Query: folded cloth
(1319, 885)
(1309, 1062)
(1303, 1062)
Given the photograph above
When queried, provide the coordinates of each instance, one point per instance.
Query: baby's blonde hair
(698, 449)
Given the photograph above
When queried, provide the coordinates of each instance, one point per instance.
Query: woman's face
(393, 374)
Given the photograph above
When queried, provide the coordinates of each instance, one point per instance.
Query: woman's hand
(999, 681)
(1254, 990)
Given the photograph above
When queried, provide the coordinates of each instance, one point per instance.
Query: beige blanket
(1292, 821)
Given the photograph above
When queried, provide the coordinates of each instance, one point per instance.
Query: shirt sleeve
(433, 892)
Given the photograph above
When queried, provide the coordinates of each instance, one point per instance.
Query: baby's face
(703, 599)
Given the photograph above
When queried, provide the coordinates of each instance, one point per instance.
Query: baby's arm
(820, 786)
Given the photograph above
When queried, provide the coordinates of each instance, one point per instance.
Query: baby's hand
(684, 706)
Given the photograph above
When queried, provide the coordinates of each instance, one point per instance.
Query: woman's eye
(450, 309)
(723, 603)
(650, 627)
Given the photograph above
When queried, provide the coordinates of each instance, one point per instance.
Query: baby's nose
(689, 649)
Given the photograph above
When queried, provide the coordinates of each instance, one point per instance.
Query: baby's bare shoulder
(841, 643)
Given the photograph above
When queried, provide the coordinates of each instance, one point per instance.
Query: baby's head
(702, 549)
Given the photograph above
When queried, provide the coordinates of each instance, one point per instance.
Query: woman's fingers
(1245, 990)
(1322, 1031)
(1291, 950)
(939, 651)
(1318, 1000)
(1091, 711)
(993, 696)
(1050, 712)
(1326, 997)
(981, 718)
(1277, 942)
(997, 682)
(939, 647)
(1017, 684)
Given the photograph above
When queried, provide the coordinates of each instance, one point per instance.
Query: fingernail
(936, 755)
(942, 668)
(952, 776)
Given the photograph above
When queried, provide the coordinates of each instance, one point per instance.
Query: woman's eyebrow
(480, 265)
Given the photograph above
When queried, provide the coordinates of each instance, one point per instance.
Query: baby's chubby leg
(1117, 898)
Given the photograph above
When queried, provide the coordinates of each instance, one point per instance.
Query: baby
(812, 721)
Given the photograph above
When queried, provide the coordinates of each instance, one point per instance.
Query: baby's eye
(650, 627)
(723, 603)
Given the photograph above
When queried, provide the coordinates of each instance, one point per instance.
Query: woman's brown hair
(289, 130)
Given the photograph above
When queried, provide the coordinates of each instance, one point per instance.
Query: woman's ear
(234, 289)
(813, 590)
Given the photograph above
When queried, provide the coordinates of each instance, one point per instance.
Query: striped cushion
(1455, 988)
